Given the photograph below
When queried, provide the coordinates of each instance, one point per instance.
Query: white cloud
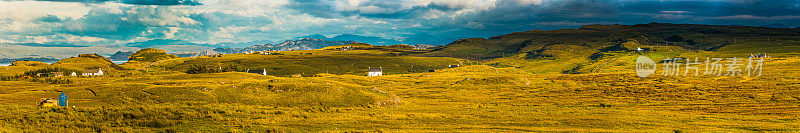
(677, 12)
(6, 41)
(751, 17)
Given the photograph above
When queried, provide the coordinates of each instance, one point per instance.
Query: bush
(47, 71)
(53, 80)
(197, 69)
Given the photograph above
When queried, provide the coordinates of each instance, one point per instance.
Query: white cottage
(375, 71)
(262, 71)
(92, 72)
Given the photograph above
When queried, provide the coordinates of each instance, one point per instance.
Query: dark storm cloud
(413, 22)
(133, 22)
(49, 19)
(139, 2)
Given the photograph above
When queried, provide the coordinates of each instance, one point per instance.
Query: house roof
(375, 70)
(91, 71)
(256, 71)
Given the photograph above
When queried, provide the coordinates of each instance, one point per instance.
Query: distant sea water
(51, 62)
(9, 63)
(119, 61)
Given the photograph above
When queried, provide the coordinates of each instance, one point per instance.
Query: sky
(113, 22)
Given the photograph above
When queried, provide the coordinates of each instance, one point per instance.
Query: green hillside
(312, 62)
(594, 48)
(150, 55)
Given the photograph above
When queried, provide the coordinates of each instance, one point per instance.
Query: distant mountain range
(288, 45)
(119, 55)
(776, 25)
(349, 37)
(171, 45)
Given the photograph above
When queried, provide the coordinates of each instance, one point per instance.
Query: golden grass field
(159, 96)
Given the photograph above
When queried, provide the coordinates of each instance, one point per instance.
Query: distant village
(87, 72)
(267, 48)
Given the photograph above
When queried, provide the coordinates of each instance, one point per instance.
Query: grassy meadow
(544, 88)
(470, 98)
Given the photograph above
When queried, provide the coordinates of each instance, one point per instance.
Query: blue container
(62, 99)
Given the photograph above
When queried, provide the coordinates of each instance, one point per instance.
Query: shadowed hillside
(150, 55)
(597, 37)
(595, 48)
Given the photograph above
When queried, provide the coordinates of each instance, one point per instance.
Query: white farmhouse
(262, 71)
(92, 72)
(375, 71)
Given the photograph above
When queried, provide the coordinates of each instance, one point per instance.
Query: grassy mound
(310, 63)
(87, 61)
(29, 63)
(150, 55)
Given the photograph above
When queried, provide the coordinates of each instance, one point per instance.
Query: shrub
(196, 69)
(53, 80)
(47, 71)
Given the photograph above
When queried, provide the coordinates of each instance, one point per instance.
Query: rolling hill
(589, 48)
(573, 80)
(288, 45)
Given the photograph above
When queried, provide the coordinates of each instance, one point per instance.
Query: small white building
(375, 71)
(262, 71)
(73, 74)
(92, 72)
(57, 74)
